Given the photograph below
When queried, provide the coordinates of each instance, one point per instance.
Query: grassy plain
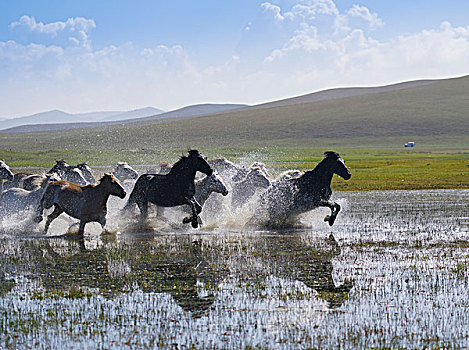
(368, 131)
(372, 169)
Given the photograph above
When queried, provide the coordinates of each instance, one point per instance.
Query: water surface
(392, 272)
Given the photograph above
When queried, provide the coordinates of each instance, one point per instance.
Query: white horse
(224, 167)
(207, 185)
(243, 171)
(124, 171)
(244, 189)
(86, 172)
(16, 200)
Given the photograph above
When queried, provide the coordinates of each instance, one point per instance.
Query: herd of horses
(74, 190)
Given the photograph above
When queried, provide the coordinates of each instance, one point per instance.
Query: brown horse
(86, 203)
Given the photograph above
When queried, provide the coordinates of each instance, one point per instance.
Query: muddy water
(392, 272)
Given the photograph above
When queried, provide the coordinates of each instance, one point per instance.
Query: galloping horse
(86, 203)
(174, 189)
(207, 185)
(288, 198)
(245, 188)
(15, 200)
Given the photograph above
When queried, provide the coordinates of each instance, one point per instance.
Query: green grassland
(372, 169)
(368, 130)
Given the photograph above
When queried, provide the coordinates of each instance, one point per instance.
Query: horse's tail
(139, 191)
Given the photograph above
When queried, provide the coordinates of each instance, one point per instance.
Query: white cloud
(276, 11)
(74, 30)
(304, 10)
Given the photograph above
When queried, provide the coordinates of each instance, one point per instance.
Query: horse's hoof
(195, 223)
(327, 218)
(331, 220)
(186, 220)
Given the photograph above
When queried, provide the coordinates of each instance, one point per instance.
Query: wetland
(391, 273)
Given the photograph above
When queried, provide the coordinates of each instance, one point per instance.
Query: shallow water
(392, 272)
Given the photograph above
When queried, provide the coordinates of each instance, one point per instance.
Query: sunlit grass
(372, 169)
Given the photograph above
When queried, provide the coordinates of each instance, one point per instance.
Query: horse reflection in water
(68, 265)
(174, 189)
(289, 197)
(291, 257)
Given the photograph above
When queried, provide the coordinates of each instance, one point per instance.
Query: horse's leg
(335, 208)
(102, 222)
(143, 206)
(159, 211)
(196, 209)
(81, 229)
(39, 211)
(52, 216)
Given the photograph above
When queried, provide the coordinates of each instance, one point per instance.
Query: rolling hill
(432, 112)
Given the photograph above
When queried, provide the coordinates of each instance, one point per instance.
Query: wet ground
(391, 273)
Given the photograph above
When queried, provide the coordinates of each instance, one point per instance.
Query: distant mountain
(60, 117)
(112, 118)
(136, 113)
(434, 113)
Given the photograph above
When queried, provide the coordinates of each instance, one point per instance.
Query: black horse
(175, 188)
(289, 197)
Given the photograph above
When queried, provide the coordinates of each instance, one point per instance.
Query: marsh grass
(392, 275)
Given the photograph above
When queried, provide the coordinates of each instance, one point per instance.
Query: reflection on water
(391, 273)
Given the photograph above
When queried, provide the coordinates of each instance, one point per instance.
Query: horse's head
(124, 171)
(112, 185)
(240, 175)
(199, 162)
(223, 165)
(5, 172)
(215, 184)
(87, 173)
(60, 167)
(261, 166)
(258, 178)
(337, 164)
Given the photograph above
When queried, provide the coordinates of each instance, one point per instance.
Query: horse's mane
(331, 154)
(180, 164)
(328, 155)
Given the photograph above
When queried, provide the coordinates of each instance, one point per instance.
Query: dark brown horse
(171, 190)
(86, 203)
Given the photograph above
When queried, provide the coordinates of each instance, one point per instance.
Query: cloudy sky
(88, 55)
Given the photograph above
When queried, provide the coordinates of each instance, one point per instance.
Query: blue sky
(81, 56)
